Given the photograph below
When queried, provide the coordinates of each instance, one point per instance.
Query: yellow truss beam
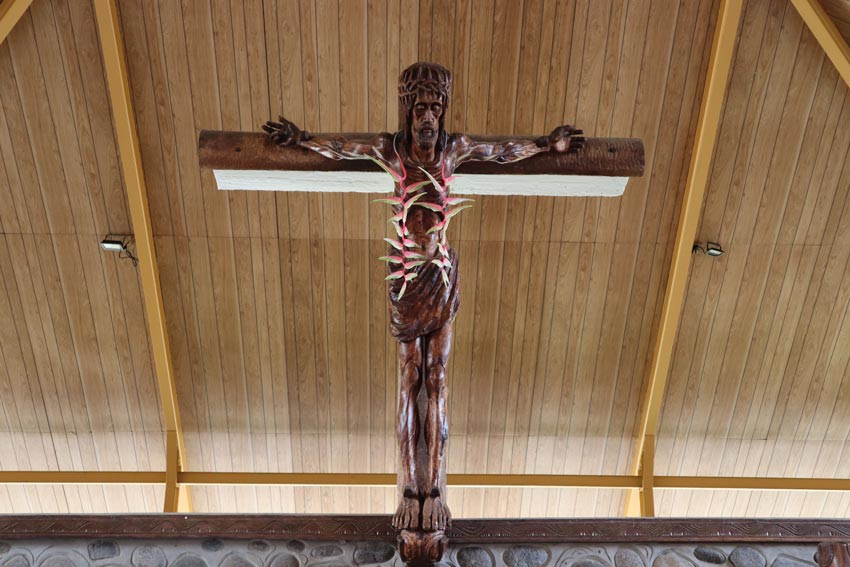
(752, 483)
(81, 477)
(389, 479)
(698, 175)
(123, 116)
(10, 12)
(824, 30)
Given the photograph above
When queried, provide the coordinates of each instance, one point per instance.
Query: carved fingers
(566, 139)
(283, 132)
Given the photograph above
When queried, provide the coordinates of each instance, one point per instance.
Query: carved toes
(407, 514)
(435, 515)
(427, 511)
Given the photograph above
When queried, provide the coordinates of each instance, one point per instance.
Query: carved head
(423, 99)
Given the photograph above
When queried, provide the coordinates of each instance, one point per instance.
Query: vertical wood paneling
(761, 333)
(34, 122)
(276, 304)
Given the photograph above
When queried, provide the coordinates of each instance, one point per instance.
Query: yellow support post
(114, 60)
(647, 473)
(716, 80)
(828, 36)
(172, 464)
(10, 12)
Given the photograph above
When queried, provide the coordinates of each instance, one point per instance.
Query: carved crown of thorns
(421, 76)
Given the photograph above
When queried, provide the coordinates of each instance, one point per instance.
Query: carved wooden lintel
(378, 528)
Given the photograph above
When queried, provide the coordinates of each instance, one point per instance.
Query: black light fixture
(711, 249)
(120, 243)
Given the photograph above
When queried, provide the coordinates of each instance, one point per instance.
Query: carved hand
(566, 139)
(284, 132)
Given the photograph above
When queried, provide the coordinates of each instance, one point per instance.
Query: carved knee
(410, 378)
(436, 378)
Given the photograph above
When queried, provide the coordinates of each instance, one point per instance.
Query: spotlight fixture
(711, 249)
(113, 243)
(120, 243)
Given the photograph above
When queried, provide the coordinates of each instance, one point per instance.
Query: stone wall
(214, 552)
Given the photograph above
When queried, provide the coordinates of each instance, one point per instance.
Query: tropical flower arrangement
(406, 254)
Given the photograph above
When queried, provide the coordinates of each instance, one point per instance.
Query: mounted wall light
(711, 249)
(120, 243)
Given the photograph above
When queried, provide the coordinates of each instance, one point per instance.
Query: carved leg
(435, 514)
(407, 430)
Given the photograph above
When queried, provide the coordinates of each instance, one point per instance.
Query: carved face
(425, 124)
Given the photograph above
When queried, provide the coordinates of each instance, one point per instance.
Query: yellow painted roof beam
(123, 116)
(81, 477)
(717, 77)
(10, 12)
(824, 30)
(389, 479)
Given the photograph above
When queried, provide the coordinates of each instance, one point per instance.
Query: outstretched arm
(562, 139)
(334, 146)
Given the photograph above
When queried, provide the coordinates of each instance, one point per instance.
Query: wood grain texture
(532, 381)
(760, 366)
(265, 294)
(76, 362)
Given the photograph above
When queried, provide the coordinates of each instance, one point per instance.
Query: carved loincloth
(427, 304)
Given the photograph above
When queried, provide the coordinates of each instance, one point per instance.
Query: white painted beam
(377, 182)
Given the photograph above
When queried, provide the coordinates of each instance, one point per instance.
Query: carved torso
(420, 220)
(429, 301)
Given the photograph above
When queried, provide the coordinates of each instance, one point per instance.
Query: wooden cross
(422, 167)
(251, 161)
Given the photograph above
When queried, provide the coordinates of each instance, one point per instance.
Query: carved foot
(435, 515)
(407, 515)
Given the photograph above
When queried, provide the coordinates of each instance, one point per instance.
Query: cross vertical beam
(112, 48)
(828, 36)
(714, 93)
(10, 12)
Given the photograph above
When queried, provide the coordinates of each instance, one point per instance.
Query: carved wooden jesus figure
(423, 282)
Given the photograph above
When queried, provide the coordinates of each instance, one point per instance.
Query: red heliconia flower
(410, 196)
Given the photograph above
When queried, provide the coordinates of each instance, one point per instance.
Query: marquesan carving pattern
(464, 531)
(215, 552)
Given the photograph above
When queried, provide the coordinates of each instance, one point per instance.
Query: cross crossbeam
(251, 161)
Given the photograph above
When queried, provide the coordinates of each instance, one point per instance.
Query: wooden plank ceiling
(276, 305)
(760, 377)
(78, 392)
(840, 12)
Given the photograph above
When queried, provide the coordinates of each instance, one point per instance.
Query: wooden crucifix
(421, 161)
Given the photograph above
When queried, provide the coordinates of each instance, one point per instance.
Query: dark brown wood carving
(424, 284)
(462, 532)
(833, 555)
(613, 157)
